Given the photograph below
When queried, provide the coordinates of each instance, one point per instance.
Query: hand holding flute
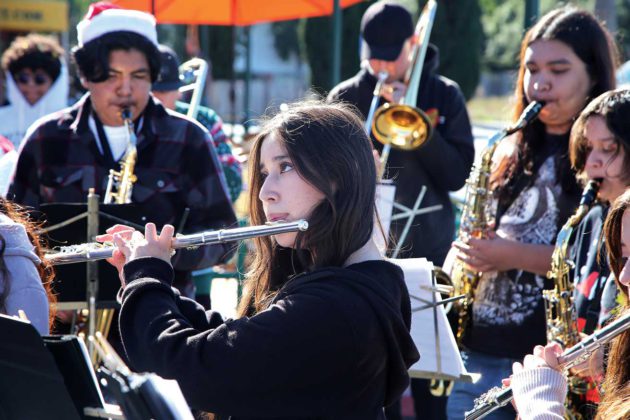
(131, 244)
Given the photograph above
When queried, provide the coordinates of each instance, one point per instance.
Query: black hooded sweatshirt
(442, 164)
(334, 343)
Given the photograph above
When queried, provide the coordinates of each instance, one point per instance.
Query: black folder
(31, 386)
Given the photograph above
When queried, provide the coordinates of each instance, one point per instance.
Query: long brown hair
(330, 150)
(616, 401)
(593, 44)
(44, 268)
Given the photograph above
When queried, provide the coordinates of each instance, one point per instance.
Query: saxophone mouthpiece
(590, 192)
(527, 116)
(531, 112)
(126, 114)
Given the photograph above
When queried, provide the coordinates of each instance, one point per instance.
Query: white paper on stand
(439, 356)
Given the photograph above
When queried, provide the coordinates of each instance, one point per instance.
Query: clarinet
(497, 397)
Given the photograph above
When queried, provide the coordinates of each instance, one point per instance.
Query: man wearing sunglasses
(36, 83)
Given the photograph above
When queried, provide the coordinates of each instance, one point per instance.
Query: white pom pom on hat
(104, 17)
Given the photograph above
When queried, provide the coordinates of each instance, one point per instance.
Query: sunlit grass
(491, 109)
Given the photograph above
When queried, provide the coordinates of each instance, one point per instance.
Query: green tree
(285, 38)
(503, 23)
(623, 21)
(317, 42)
(458, 33)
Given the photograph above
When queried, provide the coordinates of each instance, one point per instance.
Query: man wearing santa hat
(179, 179)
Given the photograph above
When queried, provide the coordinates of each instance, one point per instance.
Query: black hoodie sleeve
(448, 156)
(283, 361)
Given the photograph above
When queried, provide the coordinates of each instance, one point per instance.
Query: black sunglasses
(25, 78)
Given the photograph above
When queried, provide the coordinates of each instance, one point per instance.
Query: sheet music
(439, 358)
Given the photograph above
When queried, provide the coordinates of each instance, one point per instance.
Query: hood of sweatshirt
(19, 114)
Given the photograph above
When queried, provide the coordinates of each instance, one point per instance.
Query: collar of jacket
(82, 109)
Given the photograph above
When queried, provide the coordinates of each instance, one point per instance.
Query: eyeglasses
(25, 78)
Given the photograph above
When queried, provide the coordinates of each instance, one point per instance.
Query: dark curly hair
(33, 51)
(92, 59)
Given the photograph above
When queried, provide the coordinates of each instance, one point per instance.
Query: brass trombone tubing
(96, 251)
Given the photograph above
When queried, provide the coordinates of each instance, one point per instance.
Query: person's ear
(84, 83)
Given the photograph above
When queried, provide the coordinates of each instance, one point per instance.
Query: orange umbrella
(232, 12)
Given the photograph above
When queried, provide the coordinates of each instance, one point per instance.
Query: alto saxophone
(475, 220)
(120, 183)
(559, 309)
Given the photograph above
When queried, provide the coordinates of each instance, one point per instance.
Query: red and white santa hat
(104, 17)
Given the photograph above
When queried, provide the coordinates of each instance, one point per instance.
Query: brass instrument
(194, 73)
(120, 183)
(559, 309)
(476, 220)
(497, 397)
(376, 95)
(96, 251)
(560, 313)
(403, 125)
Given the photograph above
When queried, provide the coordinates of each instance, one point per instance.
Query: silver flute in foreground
(497, 397)
(93, 251)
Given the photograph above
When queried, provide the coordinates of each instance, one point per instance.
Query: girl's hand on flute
(131, 244)
(118, 259)
(134, 245)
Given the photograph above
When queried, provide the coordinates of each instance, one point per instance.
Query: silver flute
(497, 397)
(93, 251)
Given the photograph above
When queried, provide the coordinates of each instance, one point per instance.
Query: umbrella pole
(336, 47)
(233, 118)
(248, 75)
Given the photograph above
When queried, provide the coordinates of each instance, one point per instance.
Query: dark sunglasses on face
(25, 78)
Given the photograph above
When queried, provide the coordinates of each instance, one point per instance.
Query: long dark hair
(593, 44)
(45, 269)
(614, 108)
(616, 401)
(330, 150)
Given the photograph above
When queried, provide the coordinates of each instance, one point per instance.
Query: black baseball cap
(384, 27)
(168, 79)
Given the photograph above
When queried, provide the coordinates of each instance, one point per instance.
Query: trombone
(193, 73)
(403, 125)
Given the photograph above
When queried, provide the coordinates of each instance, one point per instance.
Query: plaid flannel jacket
(177, 168)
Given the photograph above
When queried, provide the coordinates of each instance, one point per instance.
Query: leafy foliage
(285, 38)
(317, 39)
(459, 35)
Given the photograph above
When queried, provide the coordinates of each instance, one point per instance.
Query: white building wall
(273, 80)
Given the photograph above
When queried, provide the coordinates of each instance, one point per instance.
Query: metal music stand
(68, 221)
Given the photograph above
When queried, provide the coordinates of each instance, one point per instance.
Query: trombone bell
(401, 126)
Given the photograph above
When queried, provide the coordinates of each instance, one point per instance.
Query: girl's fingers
(103, 238)
(517, 367)
(118, 228)
(122, 244)
(150, 232)
(166, 236)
